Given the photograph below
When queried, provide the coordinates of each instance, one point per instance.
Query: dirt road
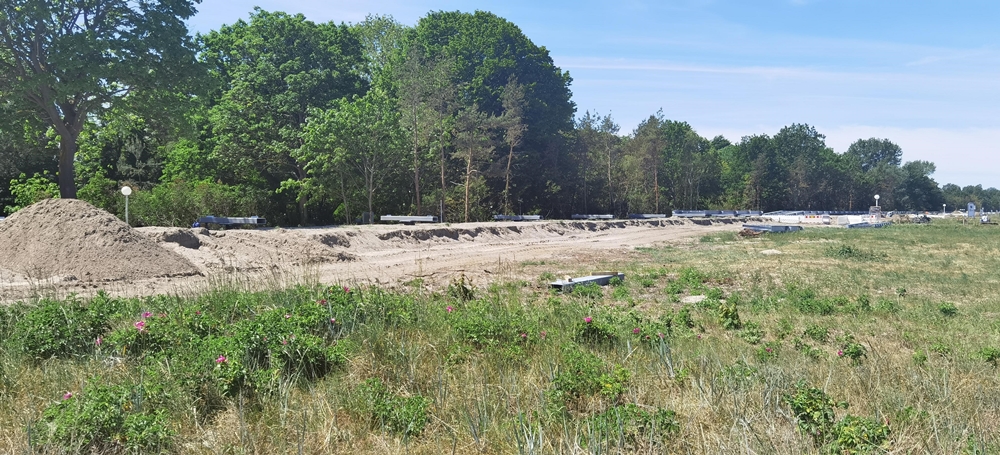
(387, 255)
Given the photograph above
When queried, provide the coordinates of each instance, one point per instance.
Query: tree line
(460, 116)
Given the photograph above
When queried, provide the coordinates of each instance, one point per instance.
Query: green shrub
(107, 419)
(584, 374)
(57, 329)
(180, 202)
(729, 316)
(691, 278)
(752, 333)
(620, 293)
(485, 326)
(590, 291)
(859, 435)
(461, 289)
(948, 309)
(769, 351)
(813, 411)
(29, 190)
(597, 331)
(385, 410)
(817, 332)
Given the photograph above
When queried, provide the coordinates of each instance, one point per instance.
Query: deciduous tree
(71, 59)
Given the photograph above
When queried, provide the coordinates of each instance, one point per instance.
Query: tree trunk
(416, 167)
(506, 189)
(468, 177)
(303, 199)
(444, 185)
(369, 182)
(343, 193)
(656, 190)
(67, 172)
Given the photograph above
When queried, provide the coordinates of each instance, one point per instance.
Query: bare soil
(194, 260)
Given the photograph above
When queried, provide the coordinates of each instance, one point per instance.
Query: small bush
(461, 289)
(485, 328)
(29, 190)
(590, 291)
(107, 419)
(403, 415)
(769, 351)
(858, 435)
(584, 374)
(817, 332)
(948, 309)
(752, 333)
(57, 329)
(729, 316)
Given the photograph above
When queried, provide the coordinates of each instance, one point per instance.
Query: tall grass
(900, 339)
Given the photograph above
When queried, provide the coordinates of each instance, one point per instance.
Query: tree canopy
(73, 59)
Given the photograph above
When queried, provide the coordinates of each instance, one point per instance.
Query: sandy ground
(387, 255)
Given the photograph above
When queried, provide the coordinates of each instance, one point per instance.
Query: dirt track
(380, 254)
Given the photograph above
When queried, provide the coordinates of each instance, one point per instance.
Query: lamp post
(126, 191)
(876, 200)
(944, 209)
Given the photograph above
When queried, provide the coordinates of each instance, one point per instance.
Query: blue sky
(923, 74)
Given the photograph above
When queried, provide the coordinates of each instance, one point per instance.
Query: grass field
(824, 341)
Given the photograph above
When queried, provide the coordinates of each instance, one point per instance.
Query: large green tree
(272, 71)
(361, 135)
(71, 59)
(599, 163)
(486, 51)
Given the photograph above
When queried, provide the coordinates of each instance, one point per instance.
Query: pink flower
(588, 319)
(840, 353)
(347, 290)
(68, 395)
(322, 301)
(542, 335)
(146, 314)
(449, 309)
(333, 320)
(659, 334)
(141, 325)
(768, 350)
(287, 316)
(221, 359)
(197, 313)
(636, 330)
(524, 336)
(699, 336)
(98, 341)
(284, 341)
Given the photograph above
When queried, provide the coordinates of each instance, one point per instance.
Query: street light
(876, 200)
(126, 191)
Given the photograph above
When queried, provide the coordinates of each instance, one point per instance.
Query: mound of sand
(73, 240)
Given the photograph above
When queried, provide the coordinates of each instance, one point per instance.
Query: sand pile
(73, 240)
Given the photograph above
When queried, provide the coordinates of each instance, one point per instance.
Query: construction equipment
(517, 217)
(227, 221)
(410, 219)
